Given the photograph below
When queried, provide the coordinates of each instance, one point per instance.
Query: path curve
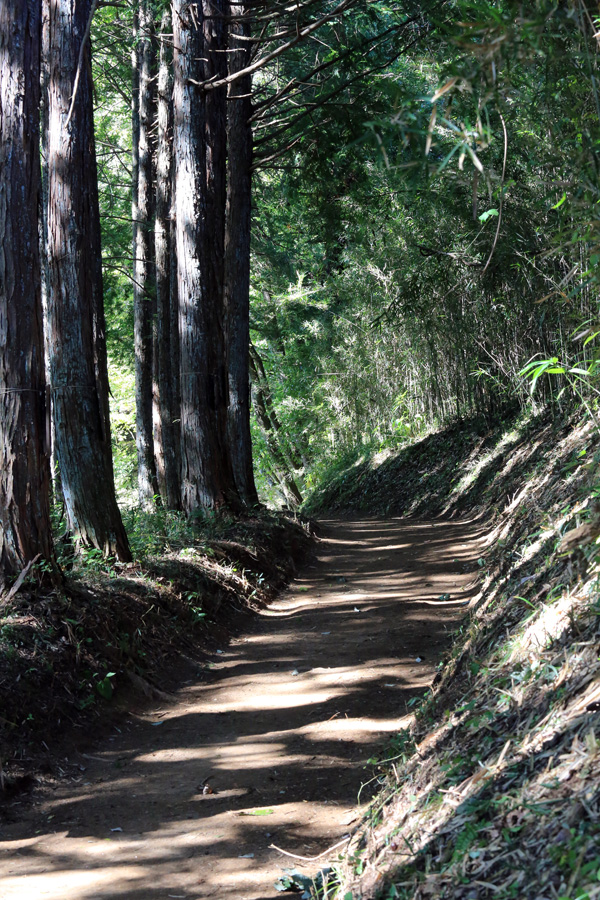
(280, 727)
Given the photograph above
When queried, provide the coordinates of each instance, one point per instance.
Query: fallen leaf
(257, 812)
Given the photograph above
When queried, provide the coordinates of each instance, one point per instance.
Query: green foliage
(418, 249)
(157, 531)
(306, 886)
(122, 415)
(425, 225)
(104, 686)
(111, 37)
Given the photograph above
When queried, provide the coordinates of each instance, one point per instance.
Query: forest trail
(281, 727)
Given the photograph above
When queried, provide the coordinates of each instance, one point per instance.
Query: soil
(266, 745)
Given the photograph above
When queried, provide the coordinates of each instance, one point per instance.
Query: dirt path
(282, 724)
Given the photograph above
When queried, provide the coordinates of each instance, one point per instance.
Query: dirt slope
(280, 727)
(494, 791)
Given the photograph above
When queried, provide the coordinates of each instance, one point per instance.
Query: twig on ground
(19, 581)
(311, 858)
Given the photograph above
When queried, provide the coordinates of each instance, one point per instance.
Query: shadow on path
(280, 727)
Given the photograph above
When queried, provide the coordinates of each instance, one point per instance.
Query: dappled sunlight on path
(280, 727)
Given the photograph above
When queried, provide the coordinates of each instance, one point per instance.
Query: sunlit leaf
(444, 89)
(474, 158)
(430, 130)
(488, 214)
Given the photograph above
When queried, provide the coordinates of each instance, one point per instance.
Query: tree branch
(500, 205)
(303, 33)
(84, 41)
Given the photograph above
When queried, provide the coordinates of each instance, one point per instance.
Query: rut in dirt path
(280, 728)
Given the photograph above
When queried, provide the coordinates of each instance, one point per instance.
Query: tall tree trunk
(43, 204)
(215, 68)
(174, 323)
(75, 302)
(144, 284)
(207, 476)
(166, 355)
(237, 256)
(135, 126)
(56, 490)
(24, 468)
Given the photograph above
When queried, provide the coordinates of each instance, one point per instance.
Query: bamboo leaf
(430, 130)
(444, 89)
(591, 338)
(475, 159)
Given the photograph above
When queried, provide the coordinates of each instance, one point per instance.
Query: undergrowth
(68, 654)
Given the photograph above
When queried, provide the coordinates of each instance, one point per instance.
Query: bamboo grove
(441, 258)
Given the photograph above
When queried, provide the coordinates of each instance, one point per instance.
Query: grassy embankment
(493, 790)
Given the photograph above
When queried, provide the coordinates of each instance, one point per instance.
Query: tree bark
(237, 256)
(135, 125)
(207, 475)
(215, 68)
(167, 353)
(75, 302)
(144, 284)
(43, 205)
(55, 486)
(24, 467)
(174, 324)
